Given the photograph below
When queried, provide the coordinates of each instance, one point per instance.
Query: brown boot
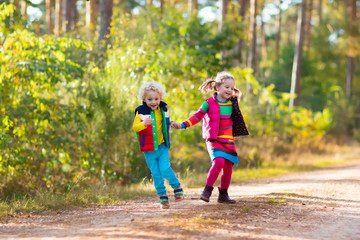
(224, 197)
(205, 195)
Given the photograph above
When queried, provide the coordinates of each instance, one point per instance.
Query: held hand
(173, 125)
(148, 121)
(176, 125)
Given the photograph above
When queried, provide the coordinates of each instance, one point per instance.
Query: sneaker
(164, 202)
(179, 194)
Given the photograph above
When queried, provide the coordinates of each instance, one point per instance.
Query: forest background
(70, 71)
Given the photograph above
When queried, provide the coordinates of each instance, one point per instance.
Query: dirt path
(315, 205)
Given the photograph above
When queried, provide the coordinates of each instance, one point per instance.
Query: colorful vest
(148, 137)
(211, 121)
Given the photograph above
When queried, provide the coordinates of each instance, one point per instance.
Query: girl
(152, 127)
(222, 121)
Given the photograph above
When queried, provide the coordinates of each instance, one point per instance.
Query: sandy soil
(313, 205)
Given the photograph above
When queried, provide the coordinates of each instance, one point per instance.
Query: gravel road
(322, 204)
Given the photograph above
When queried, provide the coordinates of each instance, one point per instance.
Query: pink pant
(218, 164)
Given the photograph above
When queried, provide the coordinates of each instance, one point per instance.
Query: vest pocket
(143, 140)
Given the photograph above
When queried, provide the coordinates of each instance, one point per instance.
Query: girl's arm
(197, 117)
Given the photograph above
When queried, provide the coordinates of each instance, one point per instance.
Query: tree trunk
(37, 27)
(239, 45)
(13, 13)
(308, 25)
(349, 76)
(264, 42)
(149, 4)
(278, 30)
(351, 60)
(58, 17)
(106, 10)
(74, 15)
(67, 24)
(16, 4)
(49, 21)
(242, 9)
(70, 15)
(23, 6)
(263, 35)
(296, 70)
(252, 53)
(91, 15)
(320, 11)
(193, 6)
(162, 5)
(224, 4)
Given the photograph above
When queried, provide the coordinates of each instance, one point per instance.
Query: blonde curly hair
(151, 86)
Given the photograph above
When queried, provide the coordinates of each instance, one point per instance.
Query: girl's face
(226, 90)
(152, 99)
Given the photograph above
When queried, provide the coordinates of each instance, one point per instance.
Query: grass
(77, 198)
(276, 168)
(286, 167)
(206, 221)
(197, 222)
(276, 200)
(101, 194)
(246, 208)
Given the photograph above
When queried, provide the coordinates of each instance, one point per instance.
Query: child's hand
(176, 125)
(237, 93)
(148, 121)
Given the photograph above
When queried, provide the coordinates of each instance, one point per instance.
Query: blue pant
(159, 164)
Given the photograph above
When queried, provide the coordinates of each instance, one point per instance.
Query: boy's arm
(138, 125)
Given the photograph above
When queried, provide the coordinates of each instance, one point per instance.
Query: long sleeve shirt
(139, 124)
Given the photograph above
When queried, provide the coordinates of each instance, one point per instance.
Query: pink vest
(211, 120)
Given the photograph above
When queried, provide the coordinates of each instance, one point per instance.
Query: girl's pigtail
(207, 86)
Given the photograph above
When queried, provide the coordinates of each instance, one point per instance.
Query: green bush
(67, 111)
(41, 114)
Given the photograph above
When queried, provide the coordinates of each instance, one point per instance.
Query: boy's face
(152, 99)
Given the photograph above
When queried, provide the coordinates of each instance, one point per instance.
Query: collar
(162, 104)
(214, 96)
(232, 99)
